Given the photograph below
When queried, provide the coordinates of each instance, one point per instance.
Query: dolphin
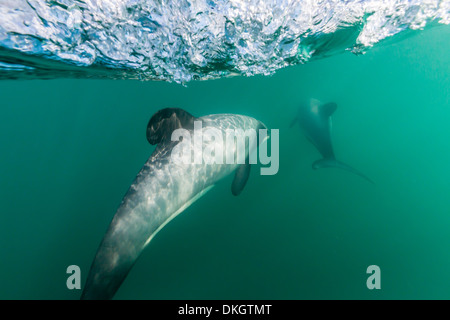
(314, 118)
(163, 189)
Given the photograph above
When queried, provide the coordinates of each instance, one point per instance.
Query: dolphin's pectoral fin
(327, 109)
(240, 178)
(165, 121)
(333, 163)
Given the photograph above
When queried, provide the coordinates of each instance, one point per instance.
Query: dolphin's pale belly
(158, 194)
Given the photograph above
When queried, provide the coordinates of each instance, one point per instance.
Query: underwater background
(71, 148)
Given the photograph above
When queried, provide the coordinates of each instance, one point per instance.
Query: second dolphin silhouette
(163, 189)
(314, 118)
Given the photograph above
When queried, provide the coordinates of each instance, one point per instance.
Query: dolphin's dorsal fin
(240, 178)
(327, 109)
(165, 121)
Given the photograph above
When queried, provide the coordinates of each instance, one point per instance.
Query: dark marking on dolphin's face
(161, 190)
(165, 121)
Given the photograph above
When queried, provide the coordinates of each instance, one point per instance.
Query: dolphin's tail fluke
(333, 163)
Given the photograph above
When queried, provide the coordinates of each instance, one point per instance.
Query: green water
(71, 148)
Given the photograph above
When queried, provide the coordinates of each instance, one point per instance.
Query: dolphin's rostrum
(161, 191)
(314, 118)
